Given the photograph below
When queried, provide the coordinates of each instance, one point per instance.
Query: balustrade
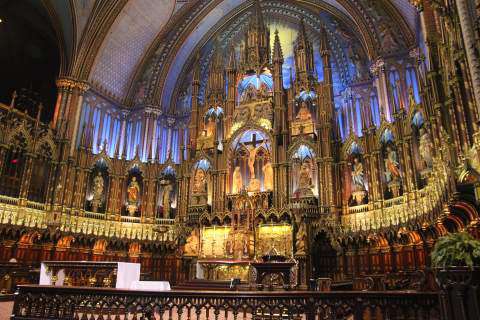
(35, 205)
(130, 219)
(373, 216)
(401, 209)
(94, 215)
(46, 302)
(34, 216)
(8, 200)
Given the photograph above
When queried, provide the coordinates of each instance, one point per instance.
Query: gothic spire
(304, 61)
(196, 68)
(302, 34)
(324, 47)
(277, 49)
(215, 83)
(232, 59)
(257, 42)
(257, 17)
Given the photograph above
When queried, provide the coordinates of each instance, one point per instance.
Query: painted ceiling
(144, 48)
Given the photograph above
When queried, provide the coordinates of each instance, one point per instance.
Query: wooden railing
(46, 302)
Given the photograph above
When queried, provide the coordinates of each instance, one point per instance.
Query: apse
(243, 146)
(285, 19)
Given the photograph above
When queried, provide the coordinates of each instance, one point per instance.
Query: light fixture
(1, 20)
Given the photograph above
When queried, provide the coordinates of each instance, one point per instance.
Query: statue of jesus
(252, 154)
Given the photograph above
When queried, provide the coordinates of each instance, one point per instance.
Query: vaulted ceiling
(114, 44)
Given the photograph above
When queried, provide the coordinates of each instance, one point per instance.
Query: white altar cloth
(127, 272)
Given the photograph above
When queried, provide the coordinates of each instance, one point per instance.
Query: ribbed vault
(118, 47)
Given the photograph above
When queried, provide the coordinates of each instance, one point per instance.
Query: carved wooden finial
(39, 111)
(14, 97)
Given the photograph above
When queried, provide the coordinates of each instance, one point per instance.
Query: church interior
(180, 159)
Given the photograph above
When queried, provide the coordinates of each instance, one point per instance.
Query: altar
(107, 274)
(224, 270)
(228, 252)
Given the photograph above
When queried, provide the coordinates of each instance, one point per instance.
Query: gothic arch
(19, 132)
(199, 158)
(297, 143)
(135, 163)
(47, 143)
(102, 157)
(351, 140)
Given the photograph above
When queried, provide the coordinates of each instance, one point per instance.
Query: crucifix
(252, 150)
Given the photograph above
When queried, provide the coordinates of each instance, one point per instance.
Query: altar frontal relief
(214, 242)
(274, 239)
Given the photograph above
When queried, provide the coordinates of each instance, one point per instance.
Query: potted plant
(456, 260)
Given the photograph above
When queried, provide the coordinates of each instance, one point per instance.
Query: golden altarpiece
(240, 192)
(375, 166)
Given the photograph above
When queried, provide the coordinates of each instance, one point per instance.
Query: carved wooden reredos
(337, 120)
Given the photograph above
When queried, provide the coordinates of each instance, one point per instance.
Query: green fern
(456, 249)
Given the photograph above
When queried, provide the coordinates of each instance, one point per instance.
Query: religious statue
(305, 176)
(245, 246)
(391, 165)
(200, 182)
(357, 174)
(303, 113)
(411, 98)
(229, 247)
(263, 91)
(166, 202)
(98, 186)
(249, 94)
(254, 184)
(191, 246)
(301, 239)
(426, 147)
(133, 192)
(237, 180)
(268, 176)
(210, 127)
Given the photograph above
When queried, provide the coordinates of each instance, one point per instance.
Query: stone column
(468, 34)
(150, 200)
(79, 90)
(378, 69)
(3, 152)
(26, 177)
